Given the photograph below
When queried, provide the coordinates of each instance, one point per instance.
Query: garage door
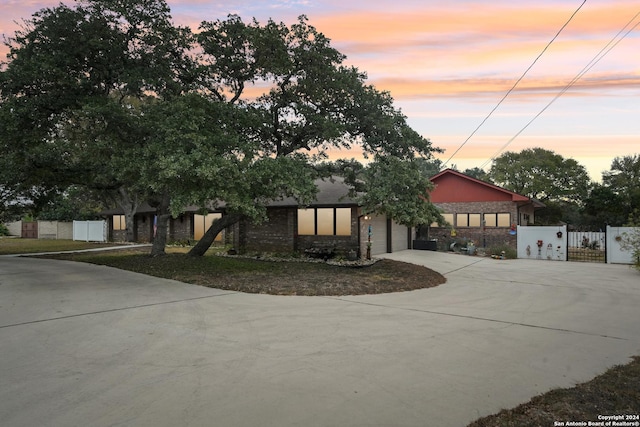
(378, 234)
(399, 237)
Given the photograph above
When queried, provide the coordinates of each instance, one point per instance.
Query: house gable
(454, 187)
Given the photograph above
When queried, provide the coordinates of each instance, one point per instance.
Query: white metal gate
(587, 246)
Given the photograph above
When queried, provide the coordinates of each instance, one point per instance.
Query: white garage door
(399, 237)
(378, 234)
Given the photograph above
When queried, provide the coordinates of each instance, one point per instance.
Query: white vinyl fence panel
(545, 243)
(615, 253)
(90, 231)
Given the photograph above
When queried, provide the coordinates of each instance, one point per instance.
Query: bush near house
(631, 240)
(509, 252)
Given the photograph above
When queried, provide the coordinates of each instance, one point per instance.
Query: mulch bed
(322, 279)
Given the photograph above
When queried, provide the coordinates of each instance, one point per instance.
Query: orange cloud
(415, 88)
(448, 24)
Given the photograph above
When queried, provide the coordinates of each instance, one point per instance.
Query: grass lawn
(616, 392)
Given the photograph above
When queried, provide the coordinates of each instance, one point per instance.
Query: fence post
(606, 245)
(566, 252)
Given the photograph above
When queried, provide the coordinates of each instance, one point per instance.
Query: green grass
(11, 245)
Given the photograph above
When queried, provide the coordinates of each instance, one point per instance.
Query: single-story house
(475, 210)
(334, 220)
(478, 211)
(190, 225)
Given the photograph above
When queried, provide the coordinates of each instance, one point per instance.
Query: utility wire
(514, 86)
(601, 54)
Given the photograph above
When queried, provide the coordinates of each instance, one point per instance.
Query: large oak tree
(69, 89)
(112, 95)
(307, 102)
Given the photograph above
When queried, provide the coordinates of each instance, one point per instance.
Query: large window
(448, 218)
(468, 220)
(497, 220)
(324, 222)
(201, 224)
(119, 223)
(306, 222)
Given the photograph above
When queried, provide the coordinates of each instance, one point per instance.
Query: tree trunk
(210, 235)
(162, 225)
(129, 206)
(160, 239)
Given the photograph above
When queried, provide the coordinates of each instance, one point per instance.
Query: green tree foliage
(111, 95)
(303, 103)
(603, 207)
(631, 239)
(429, 167)
(72, 204)
(623, 180)
(613, 201)
(70, 85)
(541, 174)
(388, 181)
(477, 173)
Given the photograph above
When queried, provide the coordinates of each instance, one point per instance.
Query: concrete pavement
(89, 345)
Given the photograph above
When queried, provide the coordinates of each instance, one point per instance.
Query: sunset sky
(448, 64)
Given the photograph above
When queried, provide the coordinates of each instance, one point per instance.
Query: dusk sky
(448, 64)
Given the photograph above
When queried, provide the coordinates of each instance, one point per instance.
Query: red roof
(453, 186)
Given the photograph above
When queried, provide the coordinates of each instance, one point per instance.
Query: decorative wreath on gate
(559, 234)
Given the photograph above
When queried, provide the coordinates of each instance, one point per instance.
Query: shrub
(631, 242)
(4, 231)
(509, 252)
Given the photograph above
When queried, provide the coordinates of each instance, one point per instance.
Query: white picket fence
(90, 231)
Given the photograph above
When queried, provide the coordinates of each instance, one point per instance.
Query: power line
(514, 85)
(606, 49)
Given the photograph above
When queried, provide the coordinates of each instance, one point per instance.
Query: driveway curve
(91, 345)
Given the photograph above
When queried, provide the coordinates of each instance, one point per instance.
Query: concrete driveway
(86, 345)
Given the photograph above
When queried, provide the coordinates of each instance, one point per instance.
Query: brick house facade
(187, 226)
(334, 220)
(478, 211)
(280, 233)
